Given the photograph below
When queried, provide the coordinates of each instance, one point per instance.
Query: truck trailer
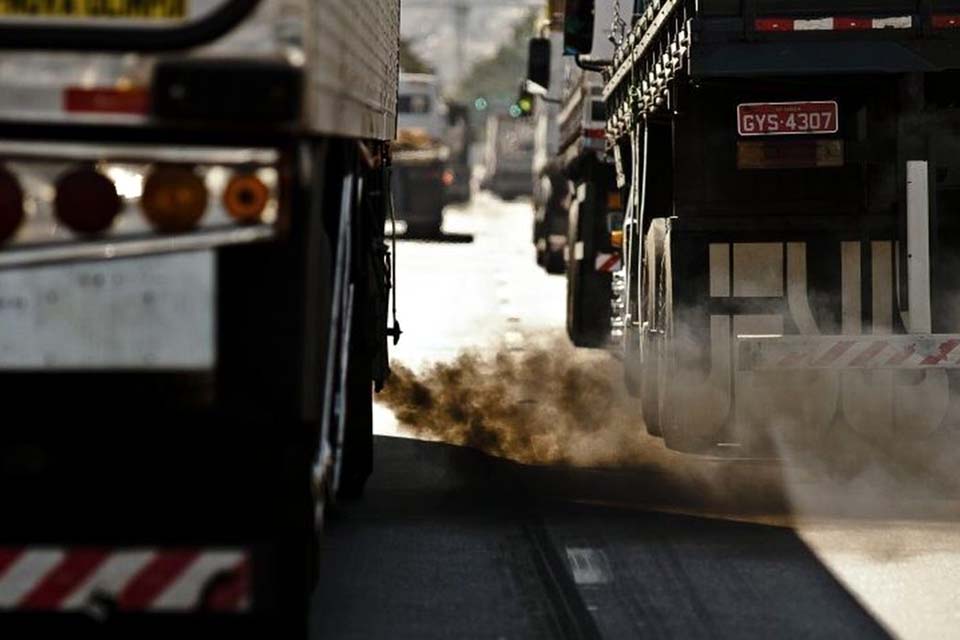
(789, 172)
(193, 305)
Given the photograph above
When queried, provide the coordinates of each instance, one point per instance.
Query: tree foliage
(410, 61)
(498, 78)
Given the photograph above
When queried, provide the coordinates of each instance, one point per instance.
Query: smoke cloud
(549, 405)
(564, 410)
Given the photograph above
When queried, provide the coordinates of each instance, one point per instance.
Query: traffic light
(524, 104)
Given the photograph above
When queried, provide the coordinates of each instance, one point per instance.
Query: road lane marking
(589, 566)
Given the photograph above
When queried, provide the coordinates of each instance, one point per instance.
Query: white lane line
(589, 566)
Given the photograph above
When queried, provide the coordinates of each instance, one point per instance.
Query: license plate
(788, 118)
(155, 312)
(118, 9)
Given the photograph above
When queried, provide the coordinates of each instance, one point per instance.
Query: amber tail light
(174, 199)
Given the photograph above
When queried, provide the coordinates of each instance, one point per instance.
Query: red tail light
(11, 205)
(87, 201)
(941, 21)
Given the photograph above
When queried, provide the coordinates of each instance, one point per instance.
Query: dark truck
(420, 155)
(791, 178)
(193, 299)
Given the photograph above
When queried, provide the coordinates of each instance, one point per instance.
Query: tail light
(87, 201)
(246, 198)
(448, 178)
(174, 199)
(616, 238)
(11, 205)
(614, 202)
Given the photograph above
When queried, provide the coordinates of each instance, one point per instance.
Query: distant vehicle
(509, 156)
(421, 155)
(790, 174)
(457, 176)
(193, 300)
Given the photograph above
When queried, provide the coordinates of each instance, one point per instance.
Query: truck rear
(509, 156)
(193, 298)
(790, 172)
(421, 155)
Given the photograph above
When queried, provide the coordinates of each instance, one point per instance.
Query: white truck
(193, 304)
(508, 156)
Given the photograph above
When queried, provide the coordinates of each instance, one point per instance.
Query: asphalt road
(631, 541)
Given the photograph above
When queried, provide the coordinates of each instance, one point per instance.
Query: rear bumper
(896, 352)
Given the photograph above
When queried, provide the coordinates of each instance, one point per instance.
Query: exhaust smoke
(549, 405)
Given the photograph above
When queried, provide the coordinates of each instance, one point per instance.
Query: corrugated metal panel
(349, 50)
(354, 80)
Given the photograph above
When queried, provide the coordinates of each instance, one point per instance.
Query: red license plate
(788, 118)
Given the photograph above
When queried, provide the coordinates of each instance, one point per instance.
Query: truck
(420, 155)
(508, 156)
(550, 191)
(789, 171)
(584, 200)
(193, 305)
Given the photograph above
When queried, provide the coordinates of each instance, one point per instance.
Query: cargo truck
(193, 300)
(421, 155)
(790, 177)
(585, 200)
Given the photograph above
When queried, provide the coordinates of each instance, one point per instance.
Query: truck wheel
(356, 455)
(653, 317)
(555, 262)
(677, 434)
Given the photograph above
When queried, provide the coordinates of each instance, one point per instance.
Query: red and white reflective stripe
(160, 580)
(833, 23)
(849, 352)
(608, 262)
(943, 21)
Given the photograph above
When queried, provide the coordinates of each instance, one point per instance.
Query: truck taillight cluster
(51, 201)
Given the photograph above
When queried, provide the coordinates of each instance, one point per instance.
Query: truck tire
(653, 317)
(588, 290)
(677, 435)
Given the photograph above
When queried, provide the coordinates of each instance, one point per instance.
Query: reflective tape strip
(608, 262)
(918, 352)
(834, 23)
(185, 592)
(110, 578)
(25, 573)
(167, 580)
